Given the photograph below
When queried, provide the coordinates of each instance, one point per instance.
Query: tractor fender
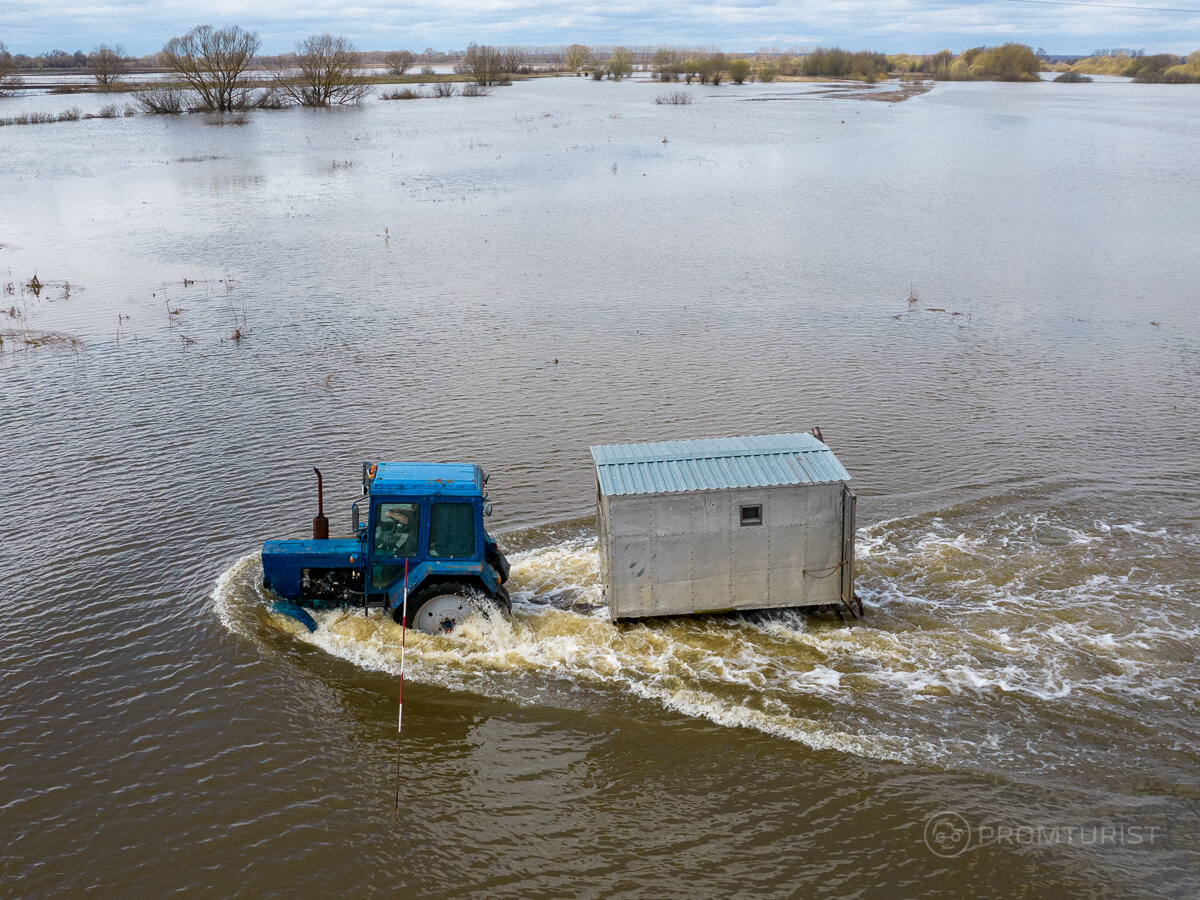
(480, 577)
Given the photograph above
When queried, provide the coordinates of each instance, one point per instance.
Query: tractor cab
(418, 531)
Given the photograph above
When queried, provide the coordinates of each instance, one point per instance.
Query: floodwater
(507, 280)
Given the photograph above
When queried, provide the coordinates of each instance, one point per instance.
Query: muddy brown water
(507, 280)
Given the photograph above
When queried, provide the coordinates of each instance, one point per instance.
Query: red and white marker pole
(400, 717)
(403, 641)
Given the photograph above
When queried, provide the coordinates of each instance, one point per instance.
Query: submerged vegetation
(405, 93)
(31, 339)
(24, 337)
(437, 89)
(74, 114)
(23, 300)
(162, 101)
(675, 98)
(35, 118)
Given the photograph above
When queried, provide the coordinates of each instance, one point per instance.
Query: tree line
(212, 67)
(1007, 62)
(1159, 68)
(105, 63)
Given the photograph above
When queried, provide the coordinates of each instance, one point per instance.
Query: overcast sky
(143, 26)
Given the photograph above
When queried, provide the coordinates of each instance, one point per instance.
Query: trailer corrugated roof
(669, 467)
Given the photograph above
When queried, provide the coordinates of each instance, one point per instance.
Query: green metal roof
(669, 467)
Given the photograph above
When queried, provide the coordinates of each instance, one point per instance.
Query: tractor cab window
(452, 530)
(397, 527)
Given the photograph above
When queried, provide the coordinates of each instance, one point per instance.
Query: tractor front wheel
(441, 613)
(441, 608)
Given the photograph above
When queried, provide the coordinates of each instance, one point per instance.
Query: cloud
(33, 26)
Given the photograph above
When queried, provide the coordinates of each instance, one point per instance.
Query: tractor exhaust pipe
(320, 523)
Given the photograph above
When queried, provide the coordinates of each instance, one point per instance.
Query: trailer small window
(452, 530)
(752, 515)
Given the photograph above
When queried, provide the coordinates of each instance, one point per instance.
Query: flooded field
(193, 315)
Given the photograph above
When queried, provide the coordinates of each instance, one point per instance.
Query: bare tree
(325, 72)
(213, 62)
(9, 79)
(107, 64)
(399, 62)
(512, 58)
(483, 63)
(578, 57)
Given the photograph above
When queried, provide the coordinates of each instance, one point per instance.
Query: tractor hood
(283, 561)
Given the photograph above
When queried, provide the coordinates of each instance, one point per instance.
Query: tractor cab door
(452, 531)
(395, 537)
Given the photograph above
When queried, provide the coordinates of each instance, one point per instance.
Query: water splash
(974, 628)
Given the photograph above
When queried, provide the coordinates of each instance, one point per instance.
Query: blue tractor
(422, 533)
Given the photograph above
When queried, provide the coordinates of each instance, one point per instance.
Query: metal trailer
(728, 524)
